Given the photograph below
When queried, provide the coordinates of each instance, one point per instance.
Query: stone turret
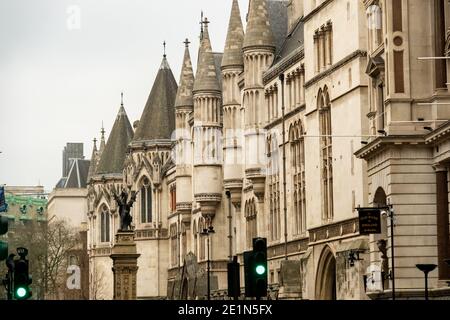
(184, 106)
(207, 130)
(259, 50)
(232, 67)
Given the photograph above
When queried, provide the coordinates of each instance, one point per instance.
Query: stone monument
(124, 253)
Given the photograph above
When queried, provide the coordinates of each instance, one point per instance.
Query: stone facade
(318, 108)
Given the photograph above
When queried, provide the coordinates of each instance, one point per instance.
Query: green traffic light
(21, 292)
(260, 270)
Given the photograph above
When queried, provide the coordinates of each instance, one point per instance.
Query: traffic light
(3, 244)
(234, 280)
(256, 269)
(260, 266)
(249, 274)
(22, 279)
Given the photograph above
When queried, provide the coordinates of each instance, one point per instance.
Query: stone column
(124, 256)
(442, 207)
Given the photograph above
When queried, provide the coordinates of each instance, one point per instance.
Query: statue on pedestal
(124, 209)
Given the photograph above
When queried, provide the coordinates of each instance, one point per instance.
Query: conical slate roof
(158, 119)
(113, 157)
(184, 95)
(232, 55)
(259, 32)
(206, 78)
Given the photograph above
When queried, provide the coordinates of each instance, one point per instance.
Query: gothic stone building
(319, 107)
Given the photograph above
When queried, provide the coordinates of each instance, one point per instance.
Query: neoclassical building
(316, 108)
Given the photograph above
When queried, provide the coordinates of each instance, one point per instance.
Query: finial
(206, 22)
(186, 43)
(121, 99)
(103, 130)
(201, 25)
(164, 44)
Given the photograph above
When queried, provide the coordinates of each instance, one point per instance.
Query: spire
(184, 94)
(259, 32)
(158, 119)
(102, 140)
(164, 63)
(93, 163)
(206, 78)
(233, 46)
(113, 157)
(201, 26)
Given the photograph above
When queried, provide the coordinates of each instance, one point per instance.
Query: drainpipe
(284, 168)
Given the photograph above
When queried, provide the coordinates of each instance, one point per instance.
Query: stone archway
(326, 276)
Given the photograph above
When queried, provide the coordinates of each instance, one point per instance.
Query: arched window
(174, 245)
(274, 187)
(296, 137)
(251, 226)
(146, 201)
(326, 145)
(105, 225)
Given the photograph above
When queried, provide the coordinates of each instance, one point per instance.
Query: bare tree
(97, 283)
(60, 239)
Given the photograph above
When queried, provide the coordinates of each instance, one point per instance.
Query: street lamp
(207, 232)
(426, 269)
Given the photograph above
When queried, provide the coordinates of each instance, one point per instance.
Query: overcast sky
(63, 65)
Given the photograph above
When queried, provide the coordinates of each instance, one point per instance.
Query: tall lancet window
(252, 223)
(326, 154)
(105, 225)
(146, 201)
(274, 188)
(299, 182)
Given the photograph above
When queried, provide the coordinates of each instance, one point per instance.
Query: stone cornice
(287, 116)
(336, 66)
(334, 230)
(316, 10)
(150, 144)
(284, 64)
(439, 134)
(381, 143)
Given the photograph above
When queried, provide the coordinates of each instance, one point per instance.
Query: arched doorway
(326, 276)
